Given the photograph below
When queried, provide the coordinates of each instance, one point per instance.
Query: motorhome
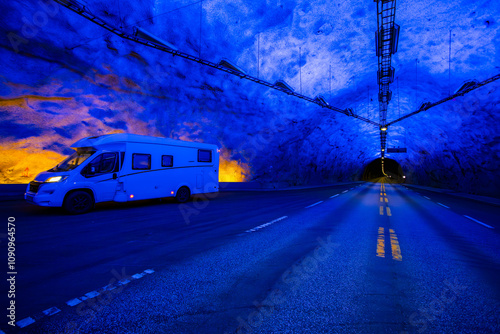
(126, 167)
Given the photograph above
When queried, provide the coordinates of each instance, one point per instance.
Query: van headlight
(56, 179)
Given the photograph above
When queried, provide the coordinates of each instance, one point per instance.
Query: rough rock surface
(63, 78)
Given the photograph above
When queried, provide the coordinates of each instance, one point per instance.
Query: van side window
(141, 161)
(204, 156)
(108, 162)
(167, 160)
(102, 164)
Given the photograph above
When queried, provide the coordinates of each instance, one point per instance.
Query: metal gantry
(386, 40)
(386, 44)
(82, 10)
(466, 88)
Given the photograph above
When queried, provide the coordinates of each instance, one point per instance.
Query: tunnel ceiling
(64, 78)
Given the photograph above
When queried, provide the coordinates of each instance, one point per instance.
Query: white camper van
(127, 167)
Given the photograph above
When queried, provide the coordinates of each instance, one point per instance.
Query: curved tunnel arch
(393, 170)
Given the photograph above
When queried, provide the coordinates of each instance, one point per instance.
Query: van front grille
(34, 186)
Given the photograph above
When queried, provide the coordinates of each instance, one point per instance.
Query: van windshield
(73, 161)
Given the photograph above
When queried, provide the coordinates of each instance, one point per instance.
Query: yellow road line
(386, 200)
(380, 243)
(396, 251)
(381, 210)
(381, 200)
(389, 211)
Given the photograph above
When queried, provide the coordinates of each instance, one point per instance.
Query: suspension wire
(132, 24)
(330, 80)
(449, 67)
(369, 103)
(416, 81)
(201, 21)
(164, 13)
(399, 110)
(300, 68)
(120, 14)
(258, 56)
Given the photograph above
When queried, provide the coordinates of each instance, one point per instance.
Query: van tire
(183, 195)
(78, 202)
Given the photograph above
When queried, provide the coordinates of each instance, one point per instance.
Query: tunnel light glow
(384, 128)
(131, 196)
(172, 192)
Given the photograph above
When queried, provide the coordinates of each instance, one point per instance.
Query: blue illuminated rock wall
(64, 78)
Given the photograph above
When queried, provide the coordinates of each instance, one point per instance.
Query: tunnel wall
(64, 78)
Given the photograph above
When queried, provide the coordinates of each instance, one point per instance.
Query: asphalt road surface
(358, 258)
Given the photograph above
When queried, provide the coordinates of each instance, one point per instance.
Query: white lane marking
(73, 302)
(477, 221)
(266, 224)
(345, 191)
(123, 282)
(51, 311)
(25, 322)
(334, 196)
(310, 206)
(92, 294)
(137, 276)
(443, 205)
(426, 197)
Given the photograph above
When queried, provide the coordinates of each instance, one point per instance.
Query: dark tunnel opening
(392, 169)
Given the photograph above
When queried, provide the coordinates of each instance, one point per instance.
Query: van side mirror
(92, 170)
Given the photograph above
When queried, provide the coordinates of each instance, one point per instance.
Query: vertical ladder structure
(386, 44)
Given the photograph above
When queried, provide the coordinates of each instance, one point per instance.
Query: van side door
(101, 172)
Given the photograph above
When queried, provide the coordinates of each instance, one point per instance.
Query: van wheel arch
(70, 195)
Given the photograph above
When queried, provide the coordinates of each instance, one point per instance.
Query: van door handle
(115, 176)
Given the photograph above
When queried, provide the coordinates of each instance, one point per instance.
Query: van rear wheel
(78, 202)
(183, 195)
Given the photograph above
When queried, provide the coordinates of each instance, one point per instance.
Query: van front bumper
(46, 195)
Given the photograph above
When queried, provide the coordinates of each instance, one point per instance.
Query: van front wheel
(78, 202)
(183, 195)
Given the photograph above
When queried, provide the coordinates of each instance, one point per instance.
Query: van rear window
(141, 161)
(204, 156)
(167, 160)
